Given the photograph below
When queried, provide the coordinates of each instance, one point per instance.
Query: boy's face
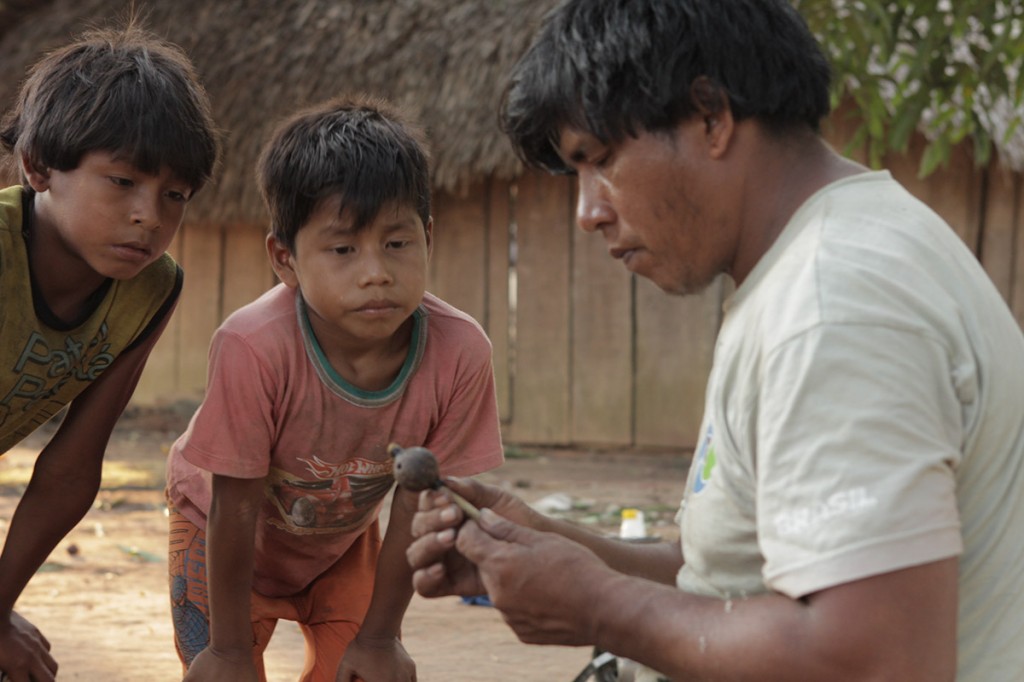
(359, 287)
(106, 215)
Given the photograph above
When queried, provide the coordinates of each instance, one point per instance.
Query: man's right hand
(211, 666)
(439, 570)
(24, 652)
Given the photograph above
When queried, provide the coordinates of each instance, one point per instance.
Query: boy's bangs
(151, 144)
(155, 133)
(372, 187)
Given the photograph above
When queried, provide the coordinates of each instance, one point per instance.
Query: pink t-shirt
(276, 409)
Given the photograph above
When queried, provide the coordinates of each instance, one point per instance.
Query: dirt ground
(102, 600)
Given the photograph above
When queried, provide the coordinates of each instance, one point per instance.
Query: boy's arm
(230, 546)
(376, 653)
(64, 482)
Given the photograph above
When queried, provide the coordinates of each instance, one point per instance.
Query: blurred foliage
(953, 69)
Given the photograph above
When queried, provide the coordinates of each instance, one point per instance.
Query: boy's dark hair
(117, 90)
(359, 148)
(613, 68)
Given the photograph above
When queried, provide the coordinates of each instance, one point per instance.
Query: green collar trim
(342, 388)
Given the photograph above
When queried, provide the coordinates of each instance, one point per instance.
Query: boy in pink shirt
(276, 486)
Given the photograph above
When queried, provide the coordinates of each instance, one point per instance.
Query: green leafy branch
(952, 69)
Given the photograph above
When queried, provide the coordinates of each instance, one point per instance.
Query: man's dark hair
(117, 90)
(613, 68)
(358, 148)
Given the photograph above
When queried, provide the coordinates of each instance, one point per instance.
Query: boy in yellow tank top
(113, 137)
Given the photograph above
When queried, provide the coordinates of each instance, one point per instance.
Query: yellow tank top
(43, 366)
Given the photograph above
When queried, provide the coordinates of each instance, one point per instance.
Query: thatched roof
(444, 61)
(441, 60)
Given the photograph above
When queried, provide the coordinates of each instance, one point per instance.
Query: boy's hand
(24, 652)
(211, 666)
(376, 660)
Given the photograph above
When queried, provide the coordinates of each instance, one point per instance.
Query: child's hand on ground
(376, 660)
(211, 666)
(24, 652)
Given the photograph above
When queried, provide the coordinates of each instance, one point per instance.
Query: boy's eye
(398, 243)
(177, 197)
(343, 250)
(602, 159)
(121, 182)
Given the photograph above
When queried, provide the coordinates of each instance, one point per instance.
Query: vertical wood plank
(675, 344)
(247, 271)
(200, 309)
(602, 345)
(541, 390)
(459, 259)
(159, 380)
(497, 292)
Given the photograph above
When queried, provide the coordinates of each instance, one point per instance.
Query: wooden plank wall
(225, 268)
(584, 353)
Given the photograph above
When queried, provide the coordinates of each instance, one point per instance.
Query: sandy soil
(102, 600)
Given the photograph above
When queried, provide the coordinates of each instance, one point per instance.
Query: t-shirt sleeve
(233, 432)
(467, 439)
(858, 440)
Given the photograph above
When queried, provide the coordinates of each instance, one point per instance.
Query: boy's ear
(281, 260)
(37, 178)
(428, 230)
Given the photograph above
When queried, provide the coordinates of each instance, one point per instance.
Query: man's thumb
(497, 526)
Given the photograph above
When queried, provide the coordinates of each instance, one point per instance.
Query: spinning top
(416, 469)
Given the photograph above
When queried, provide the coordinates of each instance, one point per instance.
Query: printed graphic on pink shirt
(338, 498)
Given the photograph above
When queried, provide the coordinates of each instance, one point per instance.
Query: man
(855, 504)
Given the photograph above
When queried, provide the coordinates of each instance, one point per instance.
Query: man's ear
(37, 178)
(712, 105)
(281, 260)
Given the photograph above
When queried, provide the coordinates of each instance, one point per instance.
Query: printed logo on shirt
(42, 371)
(804, 519)
(705, 462)
(339, 498)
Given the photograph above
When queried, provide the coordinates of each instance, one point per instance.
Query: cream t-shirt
(865, 413)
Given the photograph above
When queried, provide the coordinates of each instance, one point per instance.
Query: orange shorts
(327, 638)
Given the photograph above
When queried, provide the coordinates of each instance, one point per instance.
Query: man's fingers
(430, 548)
(477, 540)
(429, 499)
(500, 528)
(436, 517)
(431, 581)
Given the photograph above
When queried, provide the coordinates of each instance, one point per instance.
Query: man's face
(658, 203)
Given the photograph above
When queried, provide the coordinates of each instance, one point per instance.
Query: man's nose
(593, 211)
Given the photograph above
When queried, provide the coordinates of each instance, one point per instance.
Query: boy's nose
(374, 270)
(146, 211)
